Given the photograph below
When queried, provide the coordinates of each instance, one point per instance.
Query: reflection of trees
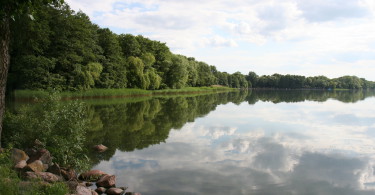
(137, 125)
(277, 96)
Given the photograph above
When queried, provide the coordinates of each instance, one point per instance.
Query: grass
(104, 93)
(341, 89)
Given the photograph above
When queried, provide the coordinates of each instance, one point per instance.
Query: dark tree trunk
(4, 64)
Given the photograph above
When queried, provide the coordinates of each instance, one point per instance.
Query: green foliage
(135, 75)
(129, 45)
(177, 76)
(8, 177)
(60, 126)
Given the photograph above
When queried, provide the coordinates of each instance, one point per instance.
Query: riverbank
(33, 172)
(115, 93)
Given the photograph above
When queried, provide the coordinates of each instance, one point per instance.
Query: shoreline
(30, 95)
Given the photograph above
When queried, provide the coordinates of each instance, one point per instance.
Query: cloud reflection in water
(332, 154)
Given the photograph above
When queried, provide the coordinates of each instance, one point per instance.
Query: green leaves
(61, 126)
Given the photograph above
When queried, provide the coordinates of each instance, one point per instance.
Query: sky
(304, 37)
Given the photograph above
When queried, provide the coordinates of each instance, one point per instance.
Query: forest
(58, 48)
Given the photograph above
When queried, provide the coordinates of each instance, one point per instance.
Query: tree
(252, 78)
(177, 76)
(8, 10)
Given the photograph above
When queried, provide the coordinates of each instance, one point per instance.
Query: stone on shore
(106, 181)
(45, 176)
(114, 191)
(132, 193)
(36, 166)
(18, 155)
(82, 190)
(68, 174)
(42, 155)
(31, 151)
(92, 175)
(20, 165)
(100, 190)
(55, 169)
(100, 148)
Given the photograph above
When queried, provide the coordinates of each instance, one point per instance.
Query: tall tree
(8, 10)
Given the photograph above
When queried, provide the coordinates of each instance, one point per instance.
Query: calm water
(259, 142)
(249, 142)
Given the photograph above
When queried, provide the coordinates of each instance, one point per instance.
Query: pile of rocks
(37, 164)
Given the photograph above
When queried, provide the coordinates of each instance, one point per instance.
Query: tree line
(300, 82)
(62, 49)
(58, 48)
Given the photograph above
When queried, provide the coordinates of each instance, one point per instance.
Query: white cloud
(218, 41)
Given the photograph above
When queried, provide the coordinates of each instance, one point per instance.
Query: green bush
(60, 126)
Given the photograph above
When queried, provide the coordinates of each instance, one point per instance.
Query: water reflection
(249, 142)
(137, 125)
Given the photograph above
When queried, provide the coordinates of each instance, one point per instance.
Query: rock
(88, 184)
(20, 165)
(42, 155)
(36, 166)
(81, 190)
(92, 175)
(31, 151)
(45, 176)
(100, 190)
(55, 169)
(132, 193)
(106, 181)
(94, 193)
(114, 191)
(45, 166)
(18, 155)
(100, 148)
(68, 174)
(72, 185)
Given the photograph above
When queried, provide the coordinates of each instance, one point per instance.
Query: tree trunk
(4, 64)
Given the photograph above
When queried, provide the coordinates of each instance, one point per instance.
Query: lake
(249, 142)
(245, 142)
